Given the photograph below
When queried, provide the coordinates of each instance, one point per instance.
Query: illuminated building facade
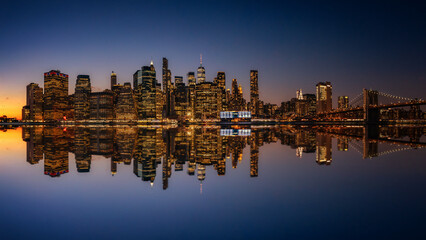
(254, 93)
(113, 79)
(178, 80)
(323, 151)
(311, 103)
(34, 103)
(181, 100)
(201, 71)
(147, 98)
(208, 99)
(343, 102)
(167, 88)
(191, 79)
(102, 105)
(55, 105)
(82, 98)
(324, 97)
(126, 105)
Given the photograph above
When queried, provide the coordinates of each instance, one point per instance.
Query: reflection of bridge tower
(371, 115)
(370, 147)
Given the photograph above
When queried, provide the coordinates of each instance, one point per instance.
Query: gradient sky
(358, 44)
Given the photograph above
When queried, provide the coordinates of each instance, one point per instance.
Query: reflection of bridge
(366, 106)
(367, 141)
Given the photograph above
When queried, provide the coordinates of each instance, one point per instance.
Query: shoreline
(218, 123)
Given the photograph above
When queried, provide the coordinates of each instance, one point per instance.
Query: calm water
(212, 183)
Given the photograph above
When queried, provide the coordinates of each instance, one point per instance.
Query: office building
(55, 105)
(113, 79)
(102, 105)
(324, 100)
(82, 98)
(34, 103)
(343, 102)
(254, 93)
(201, 72)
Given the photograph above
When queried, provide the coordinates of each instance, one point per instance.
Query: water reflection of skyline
(198, 148)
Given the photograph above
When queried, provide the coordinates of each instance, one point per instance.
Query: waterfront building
(147, 98)
(82, 97)
(181, 100)
(324, 97)
(126, 104)
(34, 110)
(238, 103)
(102, 105)
(254, 93)
(191, 95)
(208, 101)
(55, 99)
(167, 88)
(311, 103)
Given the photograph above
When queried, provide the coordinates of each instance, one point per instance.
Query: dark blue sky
(353, 44)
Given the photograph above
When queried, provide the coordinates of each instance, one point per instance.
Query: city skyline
(310, 44)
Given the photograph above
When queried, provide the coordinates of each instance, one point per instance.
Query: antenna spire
(201, 59)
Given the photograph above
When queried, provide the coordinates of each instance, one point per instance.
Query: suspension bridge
(366, 106)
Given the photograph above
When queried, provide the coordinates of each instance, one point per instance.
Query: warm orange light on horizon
(11, 102)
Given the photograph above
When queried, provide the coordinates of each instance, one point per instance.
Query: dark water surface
(212, 183)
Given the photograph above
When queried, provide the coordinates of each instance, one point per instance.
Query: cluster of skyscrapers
(147, 99)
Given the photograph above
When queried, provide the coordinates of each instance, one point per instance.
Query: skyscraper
(254, 93)
(221, 85)
(34, 102)
(324, 101)
(82, 98)
(55, 99)
(181, 99)
(113, 79)
(221, 80)
(201, 72)
(208, 101)
(237, 100)
(178, 80)
(343, 102)
(126, 107)
(191, 79)
(102, 105)
(137, 79)
(147, 94)
(167, 88)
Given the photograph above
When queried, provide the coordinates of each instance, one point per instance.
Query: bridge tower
(371, 114)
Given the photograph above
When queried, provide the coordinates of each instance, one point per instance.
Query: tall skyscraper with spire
(201, 71)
